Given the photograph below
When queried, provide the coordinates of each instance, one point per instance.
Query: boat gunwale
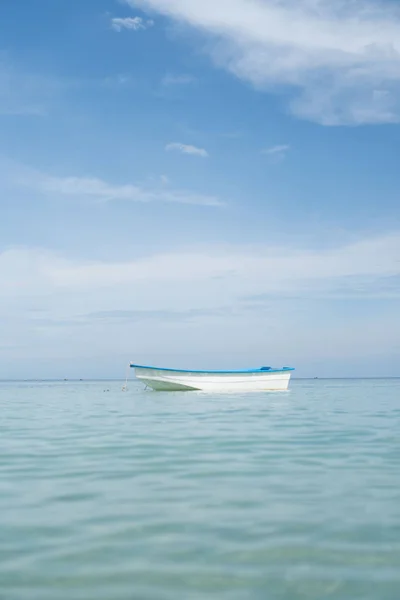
(203, 372)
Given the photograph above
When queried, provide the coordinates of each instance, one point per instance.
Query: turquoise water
(106, 495)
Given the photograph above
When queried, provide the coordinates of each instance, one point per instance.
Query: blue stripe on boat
(261, 370)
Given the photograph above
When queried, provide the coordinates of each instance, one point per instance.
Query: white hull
(252, 381)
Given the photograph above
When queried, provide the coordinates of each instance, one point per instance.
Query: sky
(199, 184)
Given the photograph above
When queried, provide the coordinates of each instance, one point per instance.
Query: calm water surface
(106, 495)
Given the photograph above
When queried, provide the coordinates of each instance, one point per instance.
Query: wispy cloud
(366, 265)
(277, 153)
(102, 191)
(121, 79)
(189, 314)
(98, 190)
(164, 179)
(170, 79)
(186, 149)
(294, 290)
(132, 23)
(340, 61)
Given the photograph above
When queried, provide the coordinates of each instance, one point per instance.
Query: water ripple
(123, 496)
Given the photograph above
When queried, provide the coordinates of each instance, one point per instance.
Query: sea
(108, 494)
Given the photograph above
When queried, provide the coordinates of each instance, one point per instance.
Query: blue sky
(200, 183)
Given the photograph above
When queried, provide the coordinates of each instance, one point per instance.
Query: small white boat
(253, 380)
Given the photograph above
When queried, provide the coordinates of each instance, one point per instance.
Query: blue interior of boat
(262, 369)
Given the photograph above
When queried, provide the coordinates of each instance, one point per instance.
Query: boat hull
(177, 381)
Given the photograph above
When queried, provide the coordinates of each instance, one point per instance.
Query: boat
(180, 380)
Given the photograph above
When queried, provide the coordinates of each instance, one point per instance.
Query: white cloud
(277, 149)
(198, 303)
(132, 23)
(103, 191)
(187, 149)
(98, 190)
(277, 153)
(238, 270)
(341, 59)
